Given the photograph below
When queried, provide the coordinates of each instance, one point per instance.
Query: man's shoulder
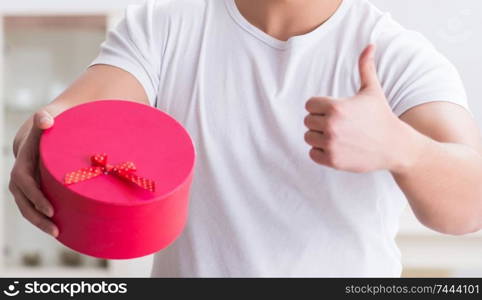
(180, 8)
(365, 12)
(364, 21)
(379, 27)
(164, 16)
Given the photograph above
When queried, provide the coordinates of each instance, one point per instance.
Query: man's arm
(98, 82)
(444, 185)
(434, 151)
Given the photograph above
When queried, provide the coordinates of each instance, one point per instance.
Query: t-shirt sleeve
(412, 71)
(134, 46)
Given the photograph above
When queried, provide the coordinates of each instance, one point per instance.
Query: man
(384, 127)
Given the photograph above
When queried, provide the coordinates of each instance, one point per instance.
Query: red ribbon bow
(100, 166)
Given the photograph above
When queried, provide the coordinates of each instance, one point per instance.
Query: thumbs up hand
(357, 134)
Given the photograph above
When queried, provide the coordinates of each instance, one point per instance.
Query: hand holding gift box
(118, 174)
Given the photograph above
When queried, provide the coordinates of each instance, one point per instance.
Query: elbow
(460, 231)
(455, 226)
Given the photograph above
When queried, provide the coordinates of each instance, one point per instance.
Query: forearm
(442, 182)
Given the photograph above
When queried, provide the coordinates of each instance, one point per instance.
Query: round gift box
(109, 216)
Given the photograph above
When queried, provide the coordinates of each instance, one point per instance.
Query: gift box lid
(121, 132)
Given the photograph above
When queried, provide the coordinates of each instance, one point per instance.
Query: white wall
(455, 27)
(62, 6)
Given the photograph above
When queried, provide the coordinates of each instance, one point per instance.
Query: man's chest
(246, 89)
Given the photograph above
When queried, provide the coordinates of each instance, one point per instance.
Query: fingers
(316, 122)
(320, 105)
(30, 200)
(29, 187)
(323, 114)
(43, 120)
(321, 137)
(31, 214)
(24, 172)
(316, 139)
(368, 70)
(319, 156)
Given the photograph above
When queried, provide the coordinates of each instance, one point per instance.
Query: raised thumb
(368, 70)
(43, 120)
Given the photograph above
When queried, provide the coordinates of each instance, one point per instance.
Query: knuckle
(11, 186)
(333, 109)
(314, 122)
(307, 121)
(14, 174)
(312, 138)
(37, 222)
(336, 109)
(38, 113)
(33, 200)
(17, 201)
(332, 127)
(18, 175)
(330, 131)
(24, 213)
(308, 137)
(310, 103)
(330, 145)
(36, 202)
(316, 156)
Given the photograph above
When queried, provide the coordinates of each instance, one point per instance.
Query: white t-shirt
(259, 206)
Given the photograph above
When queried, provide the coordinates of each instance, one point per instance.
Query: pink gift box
(110, 210)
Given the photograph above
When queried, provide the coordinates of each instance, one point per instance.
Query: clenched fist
(358, 134)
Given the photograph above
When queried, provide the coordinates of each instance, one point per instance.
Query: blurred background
(45, 45)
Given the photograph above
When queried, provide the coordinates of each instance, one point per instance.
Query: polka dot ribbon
(100, 166)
